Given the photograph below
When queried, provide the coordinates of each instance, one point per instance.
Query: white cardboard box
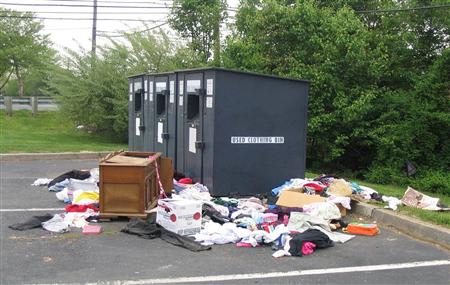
(183, 217)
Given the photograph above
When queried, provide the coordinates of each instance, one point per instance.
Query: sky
(74, 31)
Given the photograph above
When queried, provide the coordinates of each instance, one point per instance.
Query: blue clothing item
(277, 190)
(59, 186)
(273, 207)
(355, 188)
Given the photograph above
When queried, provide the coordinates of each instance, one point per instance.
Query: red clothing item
(186, 181)
(81, 208)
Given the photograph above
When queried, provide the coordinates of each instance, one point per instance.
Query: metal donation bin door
(137, 132)
(149, 114)
(162, 114)
(193, 126)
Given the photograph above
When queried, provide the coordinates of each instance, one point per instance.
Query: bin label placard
(209, 86)
(137, 85)
(138, 123)
(181, 87)
(257, 140)
(131, 97)
(151, 96)
(191, 85)
(172, 87)
(209, 102)
(151, 87)
(181, 100)
(145, 85)
(192, 139)
(131, 88)
(160, 86)
(159, 132)
(145, 96)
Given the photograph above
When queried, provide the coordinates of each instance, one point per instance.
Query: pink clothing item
(308, 248)
(316, 186)
(245, 244)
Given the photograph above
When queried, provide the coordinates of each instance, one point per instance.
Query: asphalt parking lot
(39, 257)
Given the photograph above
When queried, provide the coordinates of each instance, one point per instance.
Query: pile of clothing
(79, 189)
(258, 221)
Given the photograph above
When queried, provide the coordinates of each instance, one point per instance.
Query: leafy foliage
(199, 21)
(380, 81)
(93, 90)
(23, 47)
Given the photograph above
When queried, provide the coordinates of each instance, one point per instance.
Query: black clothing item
(34, 222)
(340, 221)
(317, 237)
(75, 174)
(150, 230)
(376, 196)
(178, 175)
(324, 177)
(215, 215)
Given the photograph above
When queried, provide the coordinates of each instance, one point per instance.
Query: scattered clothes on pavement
(56, 224)
(150, 230)
(296, 218)
(41, 182)
(32, 223)
(59, 186)
(82, 208)
(77, 174)
(317, 237)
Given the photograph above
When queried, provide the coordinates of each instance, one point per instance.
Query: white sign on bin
(183, 217)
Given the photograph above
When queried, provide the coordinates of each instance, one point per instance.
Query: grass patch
(439, 218)
(49, 131)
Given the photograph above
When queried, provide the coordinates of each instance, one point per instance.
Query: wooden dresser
(128, 183)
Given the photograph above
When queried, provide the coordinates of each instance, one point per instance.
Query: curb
(405, 224)
(52, 156)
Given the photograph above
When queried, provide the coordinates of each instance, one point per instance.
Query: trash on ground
(296, 218)
(414, 198)
(362, 229)
(92, 230)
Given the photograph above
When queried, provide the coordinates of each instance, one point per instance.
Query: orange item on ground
(362, 229)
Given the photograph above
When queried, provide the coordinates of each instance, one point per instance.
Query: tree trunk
(216, 37)
(21, 86)
(20, 81)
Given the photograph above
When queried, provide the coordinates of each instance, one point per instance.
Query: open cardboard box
(294, 198)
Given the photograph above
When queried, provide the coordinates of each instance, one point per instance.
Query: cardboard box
(294, 199)
(183, 217)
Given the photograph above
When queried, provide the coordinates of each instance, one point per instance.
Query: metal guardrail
(32, 103)
(27, 100)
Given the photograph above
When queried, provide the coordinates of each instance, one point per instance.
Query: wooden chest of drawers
(128, 183)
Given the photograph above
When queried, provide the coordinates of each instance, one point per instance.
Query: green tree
(328, 46)
(92, 91)
(199, 21)
(23, 46)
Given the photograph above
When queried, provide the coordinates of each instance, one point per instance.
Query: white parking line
(32, 210)
(264, 275)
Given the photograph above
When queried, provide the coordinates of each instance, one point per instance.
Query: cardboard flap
(295, 199)
(166, 174)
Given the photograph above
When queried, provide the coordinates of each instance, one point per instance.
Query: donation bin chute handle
(200, 92)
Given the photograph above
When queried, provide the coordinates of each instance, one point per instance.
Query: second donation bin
(136, 113)
(165, 114)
